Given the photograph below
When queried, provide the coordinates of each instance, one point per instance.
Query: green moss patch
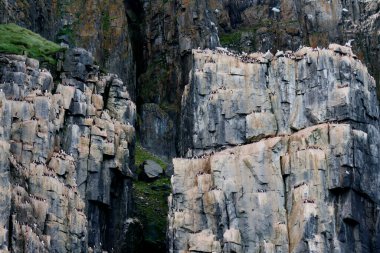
(141, 155)
(230, 38)
(68, 32)
(106, 21)
(151, 208)
(17, 40)
(234, 39)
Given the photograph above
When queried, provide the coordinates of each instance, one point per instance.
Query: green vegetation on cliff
(142, 155)
(68, 32)
(151, 208)
(17, 40)
(151, 205)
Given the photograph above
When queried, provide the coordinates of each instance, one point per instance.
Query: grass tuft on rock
(141, 155)
(17, 40)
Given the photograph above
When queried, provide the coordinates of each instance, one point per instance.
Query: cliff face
(163, 32)
(171, 28)
(300, 128)
(99, 26)
(254, 26)
(235, 99)
(308, 179)
(67, 149)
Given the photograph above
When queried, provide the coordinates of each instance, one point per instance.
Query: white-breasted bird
(275, 9)
(348, 43)
(268, 55)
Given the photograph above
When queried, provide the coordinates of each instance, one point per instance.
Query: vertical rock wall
(68, 149)
(302, 171)
(235, 99)
(254, 26)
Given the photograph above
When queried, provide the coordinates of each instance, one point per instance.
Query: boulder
(151, 170)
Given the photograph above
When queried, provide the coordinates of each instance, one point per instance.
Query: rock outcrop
(234, 99)
(67, 151)
(99, 26)
(170, 30)
(254, 26)
(301, 171)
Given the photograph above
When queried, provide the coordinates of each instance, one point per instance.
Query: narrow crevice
(284, 176)
(106, 93)
(10, 232)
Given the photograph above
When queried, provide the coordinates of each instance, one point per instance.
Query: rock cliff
(148, 43)
(304, 124)
(66, 155)
(170, 29)
(99, 26)
(298, 169)
(256, 26)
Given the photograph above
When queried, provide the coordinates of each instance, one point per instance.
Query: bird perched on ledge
(348, 43)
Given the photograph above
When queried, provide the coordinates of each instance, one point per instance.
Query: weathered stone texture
(312, 191)
(256, 27)
(232, 100)
(303, 173)
(66, 161)
(157, 131)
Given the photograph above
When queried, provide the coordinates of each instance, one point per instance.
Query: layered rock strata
(65, 156)
(308, 181)
(235, 99)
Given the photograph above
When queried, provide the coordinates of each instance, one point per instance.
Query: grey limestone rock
(66, 156)
(302, 170)
(304, 192)
(151, 170)
(232, 100)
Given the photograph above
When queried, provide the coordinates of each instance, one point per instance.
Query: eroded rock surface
(157, 131)
(66, 156)
(234, 99)
(308, 180)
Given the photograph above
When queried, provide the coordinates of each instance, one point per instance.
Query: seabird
(222, 49)
(344, 10)
(274, 9)
(348, 44)
(268, 55)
